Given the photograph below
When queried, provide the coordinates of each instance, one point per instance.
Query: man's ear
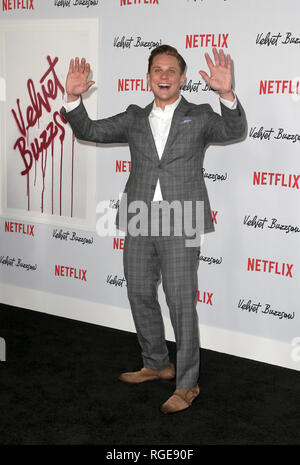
(148, 79)
(182, 79)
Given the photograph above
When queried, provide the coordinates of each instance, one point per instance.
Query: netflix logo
(269, 266)
(264, 178)
(279, 87)
(70, 272)
(206, 40)
(118, 244)
(123, 166)
(138, 2)
(19, 228)
(214, 216)
(205, 297)
(133, 85)
(8, 5)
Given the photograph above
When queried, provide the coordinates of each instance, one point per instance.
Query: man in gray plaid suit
(167, 140)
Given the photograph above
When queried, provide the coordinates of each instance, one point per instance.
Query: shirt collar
(168, 108)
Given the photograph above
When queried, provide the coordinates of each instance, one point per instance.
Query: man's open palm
(77, 79)
(220, 78)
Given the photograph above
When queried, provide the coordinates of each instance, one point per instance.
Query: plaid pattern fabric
(180, 168)
(147, 260)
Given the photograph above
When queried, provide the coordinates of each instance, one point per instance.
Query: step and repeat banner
(53, 187)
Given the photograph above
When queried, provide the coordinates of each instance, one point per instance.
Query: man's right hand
(77, 79)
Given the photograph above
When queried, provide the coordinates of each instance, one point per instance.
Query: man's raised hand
(220, 78)
(77, 79)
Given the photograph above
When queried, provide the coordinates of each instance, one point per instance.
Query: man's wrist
(69, 106)
(72, 98)
(227, 95)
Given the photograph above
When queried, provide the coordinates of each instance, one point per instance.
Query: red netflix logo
(278, 87)
(214, 216)
(138, 2)
(70, 272)
(206, 40)
(118, 243)
(269, 266)
(276, 179)
(123, 166)
(17, 5)
(133, 85)
(20, 228)
(205, 297)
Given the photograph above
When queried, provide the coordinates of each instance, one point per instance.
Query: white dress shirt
(160, 122)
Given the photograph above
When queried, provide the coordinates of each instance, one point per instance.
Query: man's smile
(164, 86)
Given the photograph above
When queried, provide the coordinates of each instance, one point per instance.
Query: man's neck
(162, 105)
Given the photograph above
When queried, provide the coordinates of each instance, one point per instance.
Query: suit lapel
(149, 135)
(181, 110)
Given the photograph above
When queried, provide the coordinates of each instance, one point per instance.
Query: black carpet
(59, 386)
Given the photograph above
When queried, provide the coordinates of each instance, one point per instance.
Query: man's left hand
(220, 78)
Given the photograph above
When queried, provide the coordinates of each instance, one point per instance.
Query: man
(167, 140)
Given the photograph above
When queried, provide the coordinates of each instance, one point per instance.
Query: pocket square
(185, 121)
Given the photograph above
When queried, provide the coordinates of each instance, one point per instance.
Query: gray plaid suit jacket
(179, 170)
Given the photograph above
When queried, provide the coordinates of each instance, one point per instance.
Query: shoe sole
(147, 380)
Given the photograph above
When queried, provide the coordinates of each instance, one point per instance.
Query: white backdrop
(55, 262)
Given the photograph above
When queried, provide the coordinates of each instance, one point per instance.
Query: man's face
(165, 79)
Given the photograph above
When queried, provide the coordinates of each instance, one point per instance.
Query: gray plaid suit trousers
(147, 260)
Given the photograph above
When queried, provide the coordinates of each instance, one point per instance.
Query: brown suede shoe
(145, 374)
(180, 400)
